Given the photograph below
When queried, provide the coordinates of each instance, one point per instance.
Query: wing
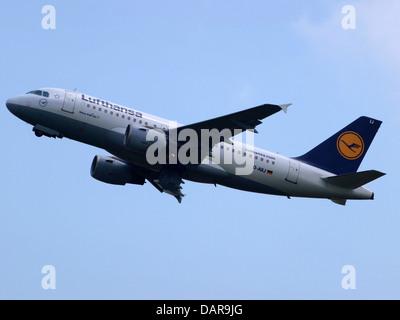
(242, 120)
(169, 179)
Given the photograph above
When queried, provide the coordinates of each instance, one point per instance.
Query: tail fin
(343, 152)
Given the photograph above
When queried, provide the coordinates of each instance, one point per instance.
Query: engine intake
(135, 138)
(113, 171)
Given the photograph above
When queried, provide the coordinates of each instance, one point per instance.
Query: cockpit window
(39, 93)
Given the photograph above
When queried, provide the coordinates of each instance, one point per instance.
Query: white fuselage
(103, 124)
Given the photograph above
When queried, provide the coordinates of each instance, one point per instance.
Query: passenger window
(88, 105)
(111, 112)
(123, 117)
(262, 159)
(99, 109)
(129, 118)
(117, 114)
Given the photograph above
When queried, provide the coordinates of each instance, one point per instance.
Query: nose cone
(11, 104)
(15, 105)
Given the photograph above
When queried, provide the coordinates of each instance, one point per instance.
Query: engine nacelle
(135, 138)
(113, 171)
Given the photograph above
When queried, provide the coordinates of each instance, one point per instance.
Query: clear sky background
(189, 61)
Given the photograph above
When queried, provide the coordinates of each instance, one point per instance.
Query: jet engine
(135, 137)
(113, 171)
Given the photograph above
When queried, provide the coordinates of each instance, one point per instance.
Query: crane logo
(350, 145)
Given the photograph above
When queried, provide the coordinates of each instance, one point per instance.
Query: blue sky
(189, 61)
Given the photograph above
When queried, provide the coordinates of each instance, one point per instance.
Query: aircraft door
(69, 102)
(294, 170)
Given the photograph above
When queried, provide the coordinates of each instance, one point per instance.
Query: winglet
(285, 106)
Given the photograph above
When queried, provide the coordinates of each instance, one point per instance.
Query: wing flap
(169, 181)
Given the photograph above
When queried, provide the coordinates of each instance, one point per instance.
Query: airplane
(328, 171)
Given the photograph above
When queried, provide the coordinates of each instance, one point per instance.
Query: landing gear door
(69, 102)
(294, 170)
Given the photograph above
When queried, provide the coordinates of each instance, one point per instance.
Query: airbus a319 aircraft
(329, 171)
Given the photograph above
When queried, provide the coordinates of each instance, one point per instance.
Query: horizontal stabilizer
(354, 180)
